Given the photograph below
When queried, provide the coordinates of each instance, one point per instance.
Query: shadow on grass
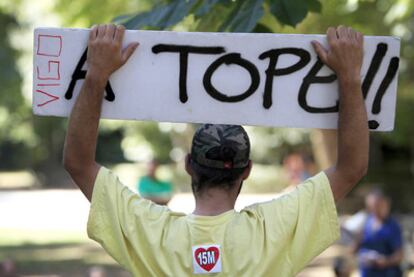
(60, 259)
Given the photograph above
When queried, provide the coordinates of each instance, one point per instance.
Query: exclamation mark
(371, 73)
(373, 67)
(389, 76)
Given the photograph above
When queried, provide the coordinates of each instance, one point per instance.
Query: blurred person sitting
(298, 168)
(380, 247)
(294, 166)
(152, 188)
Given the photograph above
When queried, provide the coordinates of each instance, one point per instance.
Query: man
(152, 188)
(298, 168)
(380, 248)
(277, 238)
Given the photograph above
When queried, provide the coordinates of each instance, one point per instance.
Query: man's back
(274, 238)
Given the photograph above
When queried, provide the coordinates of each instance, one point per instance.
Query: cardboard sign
(233, 78)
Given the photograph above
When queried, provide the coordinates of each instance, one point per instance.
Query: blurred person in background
(298, 167)
(152, 188)
(380, 247)
(294, 166)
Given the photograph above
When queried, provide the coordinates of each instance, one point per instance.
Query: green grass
(16, 237)
(47, 252)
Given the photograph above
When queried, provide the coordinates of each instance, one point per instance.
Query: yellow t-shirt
(275, 238)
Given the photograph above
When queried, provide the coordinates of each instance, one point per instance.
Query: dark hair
(207, 177)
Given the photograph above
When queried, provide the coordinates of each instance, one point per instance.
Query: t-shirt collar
(211, 220)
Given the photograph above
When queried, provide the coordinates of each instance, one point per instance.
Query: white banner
(233, 78)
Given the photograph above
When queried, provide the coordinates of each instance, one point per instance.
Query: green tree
(14, 113)
(222, 15)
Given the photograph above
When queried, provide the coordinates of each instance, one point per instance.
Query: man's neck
(214, 201)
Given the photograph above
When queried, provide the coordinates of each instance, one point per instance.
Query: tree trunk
(324, 143)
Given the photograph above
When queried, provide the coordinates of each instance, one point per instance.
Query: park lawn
(45, 253)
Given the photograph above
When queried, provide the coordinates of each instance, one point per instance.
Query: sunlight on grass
(14, 237)
(17, 180)
(46, 252)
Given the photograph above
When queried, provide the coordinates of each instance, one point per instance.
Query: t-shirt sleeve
(305, 218)
(123, 223)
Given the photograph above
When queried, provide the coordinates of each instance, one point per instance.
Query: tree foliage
(221, 15)
(13, 111)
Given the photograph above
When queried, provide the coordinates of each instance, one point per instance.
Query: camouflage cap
(221, 146)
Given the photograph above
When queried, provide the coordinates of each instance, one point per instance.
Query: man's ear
(188, 167)
(247, 171)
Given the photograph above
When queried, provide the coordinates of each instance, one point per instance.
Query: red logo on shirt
(207, 258)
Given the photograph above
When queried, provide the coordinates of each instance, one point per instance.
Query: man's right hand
(345, 52)
(105, 54)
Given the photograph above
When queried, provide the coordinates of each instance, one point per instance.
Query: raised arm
(344, 56)
(105, 55)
